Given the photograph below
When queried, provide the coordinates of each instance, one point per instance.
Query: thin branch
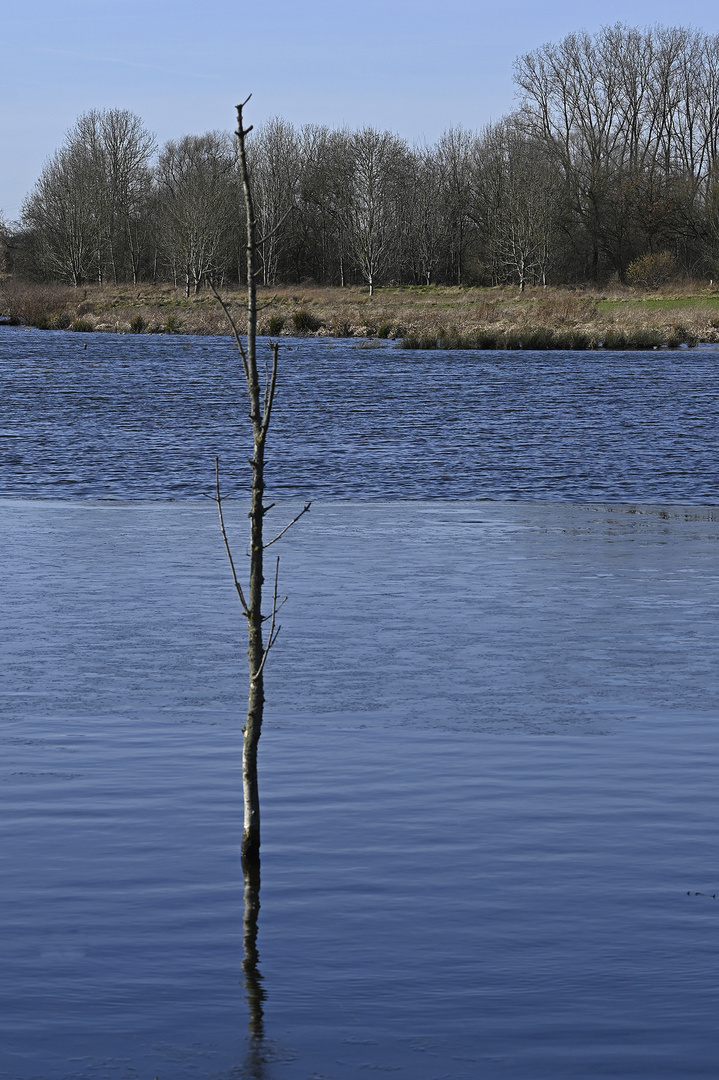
(235, 331)
(272, 636)
(218, 499)
(243, 131)
(293, 522)
(281, 604)
(270, 396)
(267, 382)
(277, 227)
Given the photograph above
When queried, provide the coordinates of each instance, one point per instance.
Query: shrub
(614, 339)
(540, 337)
(81, 326)
(173, 324)
(579, 340)
(409, 342)
(652, 270)
(384, 330)
(487, 339)
(450, 339)
(304, 322)
(275, 325)
(645, 339)
(137, 324)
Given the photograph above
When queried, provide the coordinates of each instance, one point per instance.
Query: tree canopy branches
(611, 155)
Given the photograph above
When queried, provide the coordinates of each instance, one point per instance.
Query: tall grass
(430, 318)
(47, 307)
(539, 338)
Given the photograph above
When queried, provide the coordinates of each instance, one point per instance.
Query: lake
(489, 767)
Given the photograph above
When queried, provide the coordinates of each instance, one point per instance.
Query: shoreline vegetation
(424, 317)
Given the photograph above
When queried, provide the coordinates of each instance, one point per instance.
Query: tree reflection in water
(255, 1060)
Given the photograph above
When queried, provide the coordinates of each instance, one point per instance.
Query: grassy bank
(427, 317)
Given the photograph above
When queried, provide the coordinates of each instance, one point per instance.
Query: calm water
(489, 773)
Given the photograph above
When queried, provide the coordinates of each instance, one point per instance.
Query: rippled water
(143, 417)
(489, 772)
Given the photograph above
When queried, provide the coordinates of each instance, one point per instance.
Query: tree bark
(260, 413)
(256, 649)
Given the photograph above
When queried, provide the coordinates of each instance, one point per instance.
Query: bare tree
(371, 214)
(85, 207)
(454, 152)
(275, 170)
(516, 203)
(261, 400)
(4, 244)
(197, 195)
(60, 212)
(428, 231)
(127, 150)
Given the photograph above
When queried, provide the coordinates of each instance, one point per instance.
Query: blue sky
(413, 66)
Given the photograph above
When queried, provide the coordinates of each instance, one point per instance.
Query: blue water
(489, 766)
(143, 417)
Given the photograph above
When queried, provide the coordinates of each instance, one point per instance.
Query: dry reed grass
(436, 313)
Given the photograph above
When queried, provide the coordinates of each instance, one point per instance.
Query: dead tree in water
(261, 401)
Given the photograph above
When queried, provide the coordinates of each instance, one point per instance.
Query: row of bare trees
(612, 153)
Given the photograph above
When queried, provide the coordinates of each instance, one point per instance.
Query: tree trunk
(260, 412)
(255, 652)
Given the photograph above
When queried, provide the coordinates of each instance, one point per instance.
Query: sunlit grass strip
(704, 304)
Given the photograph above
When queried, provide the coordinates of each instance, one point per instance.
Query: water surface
(489, 767)
(489, 794)
(143, 417)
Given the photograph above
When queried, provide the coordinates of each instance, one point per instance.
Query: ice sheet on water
(488, 775)
(451, 615)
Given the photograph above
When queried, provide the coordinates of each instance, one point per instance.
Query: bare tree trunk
(260, 413)
(255, 652)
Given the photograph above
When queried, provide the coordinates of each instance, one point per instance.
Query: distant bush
(275, 325)
(341, 328)
(652, 270)
(384, 330)
(487, 339)
(305, 323)
(138, 324)
(173, 324)
(81, 326)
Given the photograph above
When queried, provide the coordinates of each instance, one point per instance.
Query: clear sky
(413, 66)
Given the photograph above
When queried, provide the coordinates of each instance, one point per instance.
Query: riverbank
(419, 317)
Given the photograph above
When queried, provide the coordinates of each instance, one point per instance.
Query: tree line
(611, 154)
